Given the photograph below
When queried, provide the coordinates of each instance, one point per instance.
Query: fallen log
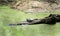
(50, 20)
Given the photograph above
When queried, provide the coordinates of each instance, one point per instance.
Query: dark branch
(51, 20)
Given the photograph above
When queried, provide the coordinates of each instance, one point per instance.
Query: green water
(8, 16)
